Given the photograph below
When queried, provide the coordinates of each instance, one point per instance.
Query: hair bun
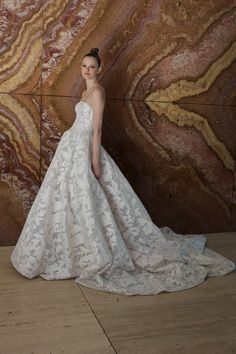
(94, 51)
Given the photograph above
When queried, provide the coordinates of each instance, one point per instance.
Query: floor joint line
(95, 315)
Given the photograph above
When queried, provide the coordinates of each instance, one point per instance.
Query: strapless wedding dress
(99, 232)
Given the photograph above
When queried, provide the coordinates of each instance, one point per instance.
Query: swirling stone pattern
(19, 162)
(168, 69)
(57, 116)
(21, 46)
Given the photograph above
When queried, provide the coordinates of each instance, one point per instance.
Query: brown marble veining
(177, 175)
(153, 46)
(58, 114)
(20, 161)
(21, 46)
(168, 70)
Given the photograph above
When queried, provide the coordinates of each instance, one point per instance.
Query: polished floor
(54, 317)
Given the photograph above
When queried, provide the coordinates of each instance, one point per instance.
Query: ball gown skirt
(99, 232)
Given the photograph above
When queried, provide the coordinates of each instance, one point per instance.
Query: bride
(87, 222)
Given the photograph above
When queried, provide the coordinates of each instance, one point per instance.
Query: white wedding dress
(99, 232)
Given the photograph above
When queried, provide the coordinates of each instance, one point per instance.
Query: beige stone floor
(54, 317)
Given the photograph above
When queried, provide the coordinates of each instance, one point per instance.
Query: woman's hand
(96, 170)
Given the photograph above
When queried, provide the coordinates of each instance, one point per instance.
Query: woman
(95, 97)
(87, 222)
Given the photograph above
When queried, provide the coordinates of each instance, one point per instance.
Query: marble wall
(169, 72)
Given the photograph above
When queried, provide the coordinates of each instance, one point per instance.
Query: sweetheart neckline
(86, 104)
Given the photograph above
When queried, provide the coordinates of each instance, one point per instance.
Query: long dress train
(99, 232)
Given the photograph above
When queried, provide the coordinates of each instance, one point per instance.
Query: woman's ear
(100, 69)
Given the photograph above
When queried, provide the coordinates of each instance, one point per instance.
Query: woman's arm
(98, 103)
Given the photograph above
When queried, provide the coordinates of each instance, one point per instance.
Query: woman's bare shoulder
(99, 90)
(98, 94)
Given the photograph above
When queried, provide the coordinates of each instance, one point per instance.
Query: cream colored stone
(42, 317)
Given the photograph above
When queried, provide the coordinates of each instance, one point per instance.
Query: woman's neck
(91, 84)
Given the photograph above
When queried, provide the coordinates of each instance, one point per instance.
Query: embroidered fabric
(99, 232)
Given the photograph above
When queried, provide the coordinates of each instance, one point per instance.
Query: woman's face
(89, 68)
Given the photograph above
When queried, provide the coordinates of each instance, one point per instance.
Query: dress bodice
(83, 106)
(83, 124)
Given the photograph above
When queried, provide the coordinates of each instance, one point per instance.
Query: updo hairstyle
(94, 53)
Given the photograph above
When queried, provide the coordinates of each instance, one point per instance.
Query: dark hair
(94, 53)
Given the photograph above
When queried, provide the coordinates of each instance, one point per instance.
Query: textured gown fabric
(99, 232)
